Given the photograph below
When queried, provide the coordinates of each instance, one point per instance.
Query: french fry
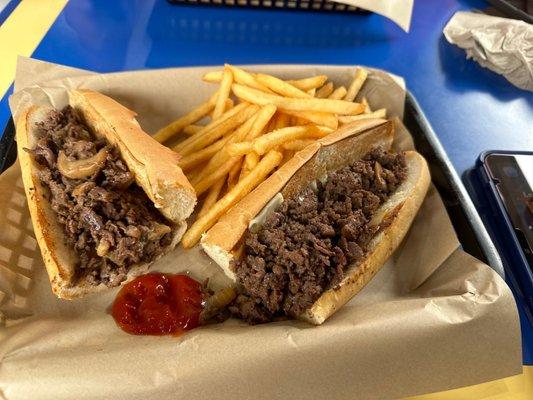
(212, 196)
(313, 82)
(201, 156)
(264, 116)
(207, 136)
(297, 145)
(241, 189)
(212, 125)
(220, 157)
(287, 155)
(267, 142)
(249, 163)
(223, 93)
(228, 105)
(240, 148)
(213, 76)
(358, 81)
(281, 87)
(192, 129)
(283, 120)
(195, 115)
(316, 117)
(381, 113)
(311, 92)
(364, 101)
(338, 93)
(233, 176)
(209, 180)
(291, 104)
(246, 78)
(324, 91)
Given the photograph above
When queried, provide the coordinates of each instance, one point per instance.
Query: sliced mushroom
(83, 168)
(380, 182)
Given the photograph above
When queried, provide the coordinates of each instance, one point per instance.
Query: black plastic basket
(303, 5)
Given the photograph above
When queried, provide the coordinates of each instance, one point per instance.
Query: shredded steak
(305, 246)
(106, 217)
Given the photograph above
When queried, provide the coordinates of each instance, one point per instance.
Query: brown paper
(434, 318)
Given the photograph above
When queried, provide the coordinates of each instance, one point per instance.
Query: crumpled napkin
(502, 45)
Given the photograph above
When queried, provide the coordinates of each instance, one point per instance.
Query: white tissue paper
(502, 45)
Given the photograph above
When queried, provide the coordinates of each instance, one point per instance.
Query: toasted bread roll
(223, 242)
(153, 167)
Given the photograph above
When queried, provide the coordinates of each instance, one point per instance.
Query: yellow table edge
(22, 32)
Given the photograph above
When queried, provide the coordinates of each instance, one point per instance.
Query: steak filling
(107, 219)
(305, 247)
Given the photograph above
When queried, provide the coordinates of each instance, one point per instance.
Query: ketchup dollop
(158, 304)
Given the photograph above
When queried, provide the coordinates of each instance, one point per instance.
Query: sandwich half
(106, 200)
(313, 234)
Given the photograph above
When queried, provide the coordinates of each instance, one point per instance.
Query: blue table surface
(470, 108)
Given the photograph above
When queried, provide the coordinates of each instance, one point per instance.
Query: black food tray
(464, 216)
(295, 5)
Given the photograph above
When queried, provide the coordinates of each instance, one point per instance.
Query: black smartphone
(507, 180)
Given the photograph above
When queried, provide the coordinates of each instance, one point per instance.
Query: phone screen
(513, 176)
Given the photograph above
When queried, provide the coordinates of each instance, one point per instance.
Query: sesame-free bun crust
(60, 260)
(339, 149)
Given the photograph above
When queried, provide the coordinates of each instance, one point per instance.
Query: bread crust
(59, 259)
(333, 152)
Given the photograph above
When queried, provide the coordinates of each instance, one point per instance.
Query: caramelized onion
(81, 168)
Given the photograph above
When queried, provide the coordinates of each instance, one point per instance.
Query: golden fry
(364, 101)
(223, 93)
(209, 180)
(241, 189)
(246, 78)
(285, 103)
(192, 129)
(316, 117)
(195, 115)
(338, 93)
(212, 196)
(356, 85)
(264, 116)
(297, 145)
(208, 136)
(228, 105)
(233, 176)
(311, 92)
(283, 120)
(201, 156)
(381, 113)
(324, 91)
(239, 148)
(212, 125)
(313, 82)
(250, 161)
(265, 143)
(213, 76)
(220, 157)
(287, 155)
(281, 87)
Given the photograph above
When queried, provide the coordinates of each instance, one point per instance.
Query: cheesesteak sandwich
(106, 200)
(312, 235)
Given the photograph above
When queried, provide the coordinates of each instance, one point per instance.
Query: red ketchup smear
(158, 304)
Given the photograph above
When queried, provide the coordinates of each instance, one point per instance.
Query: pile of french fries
(253, 124)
